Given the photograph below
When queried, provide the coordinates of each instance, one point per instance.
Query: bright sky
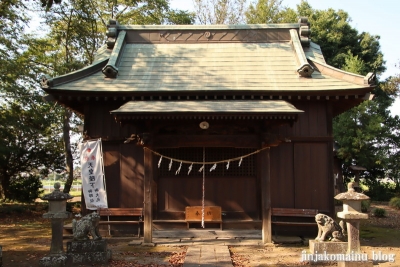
(378, 18)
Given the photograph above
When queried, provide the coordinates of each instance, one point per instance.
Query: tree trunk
(5, 188)
(67, 151)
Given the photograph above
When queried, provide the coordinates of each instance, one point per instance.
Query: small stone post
(352, 215)
(57, 213)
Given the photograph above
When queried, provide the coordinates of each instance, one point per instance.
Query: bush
(395, 203)
(378, 212)
(365, 204)
(12, 208)
(25, 189)
(379, 191)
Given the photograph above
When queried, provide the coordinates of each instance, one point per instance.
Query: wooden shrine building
(254, 102)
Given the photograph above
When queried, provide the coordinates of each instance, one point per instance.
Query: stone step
(205, 255)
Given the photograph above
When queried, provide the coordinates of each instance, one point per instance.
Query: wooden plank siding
(176, 193)
(112, 172)
(304, 178)
(311, 176)
(132, 175)
(100, 123)
(124, 172)
(313, 122)
(300, 169)
(282, 178)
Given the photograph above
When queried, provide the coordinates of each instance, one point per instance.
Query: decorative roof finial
(304, 31)
(112, 29)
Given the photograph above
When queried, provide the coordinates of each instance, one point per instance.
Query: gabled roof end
(370, 78)
(304, 69)
(111, 70)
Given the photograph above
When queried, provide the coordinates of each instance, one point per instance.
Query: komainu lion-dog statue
(88, 224)
(328, 228)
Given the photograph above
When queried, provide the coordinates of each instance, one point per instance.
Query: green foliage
(342, 38)
(379, 191)
(354, 64)
(10, 209)
(177, 17)
(365, 204)
(27, 143)
(27, 123)
(265, 11)
(395, 202)
(378, 212)
(25, 189)
(219, 11)
(367, 134)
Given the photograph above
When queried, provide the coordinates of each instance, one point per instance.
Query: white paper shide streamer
(202, 169)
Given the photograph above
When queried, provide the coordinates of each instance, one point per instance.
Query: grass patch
(379, 233)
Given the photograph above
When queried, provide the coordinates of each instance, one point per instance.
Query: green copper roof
(165, 59)
(208, 107)
(207, 66)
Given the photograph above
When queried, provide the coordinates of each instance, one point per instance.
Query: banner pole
(102, 166)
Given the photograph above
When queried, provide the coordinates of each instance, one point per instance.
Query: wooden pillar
(266, 196)
(148, 211)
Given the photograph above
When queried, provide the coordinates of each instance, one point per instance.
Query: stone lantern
(57, 213)
(352, 215)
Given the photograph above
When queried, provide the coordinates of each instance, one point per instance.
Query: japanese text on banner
(93, 175)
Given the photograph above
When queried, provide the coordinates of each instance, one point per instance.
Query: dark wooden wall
(301, 170)
(236, 195)
(123, 167)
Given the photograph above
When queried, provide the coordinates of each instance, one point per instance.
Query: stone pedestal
(53, 261)
(330, 247)
(88, 251)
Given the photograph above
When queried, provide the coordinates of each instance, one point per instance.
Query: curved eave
(49, 83)
(365, 81)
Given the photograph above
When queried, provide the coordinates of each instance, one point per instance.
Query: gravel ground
(25, 238)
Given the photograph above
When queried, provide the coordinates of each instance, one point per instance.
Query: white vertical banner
(92, 171)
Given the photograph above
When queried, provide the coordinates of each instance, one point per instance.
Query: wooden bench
(212, 214)
(122, 212)
(278, 213)
(284, 212)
